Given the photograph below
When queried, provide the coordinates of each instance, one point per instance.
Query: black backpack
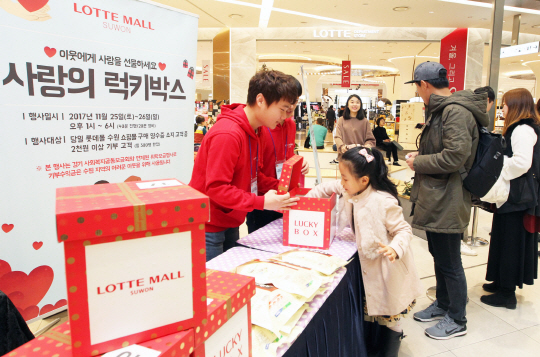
(488, 163)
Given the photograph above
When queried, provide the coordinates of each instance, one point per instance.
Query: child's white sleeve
(399, 229)
(326, 189)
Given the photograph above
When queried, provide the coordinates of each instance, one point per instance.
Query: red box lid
(290, 176)
(57, 342)
(86, 212)
(229, 293)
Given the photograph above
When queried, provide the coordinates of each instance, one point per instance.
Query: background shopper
(383, 141)
(442, 207)
(330, 118)
(226, 168)
(320, 135)
(370, 206)
(353, 128)
(513, 252)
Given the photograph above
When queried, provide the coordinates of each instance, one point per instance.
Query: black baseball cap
(427, 71)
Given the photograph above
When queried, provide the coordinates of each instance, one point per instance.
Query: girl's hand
(387, 252)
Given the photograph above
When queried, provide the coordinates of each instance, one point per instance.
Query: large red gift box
(135, 261)
(57, 343)
(227, 329)
(312, 222)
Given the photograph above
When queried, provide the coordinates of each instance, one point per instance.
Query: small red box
(135, 261)
(312, 222)
(227, 328)
(57, 342)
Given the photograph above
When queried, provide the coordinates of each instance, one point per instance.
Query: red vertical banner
(454, 58)
(346, 74)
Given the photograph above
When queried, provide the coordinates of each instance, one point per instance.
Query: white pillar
(475, 60)
(406, 66)
(535, 66)
(243, 63)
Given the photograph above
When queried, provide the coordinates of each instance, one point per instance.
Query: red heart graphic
(33, 5)
(162, 66)
(7, 227)
(16, 298)
(33, 286)
(49, 51)
(37, 245)
(48, 308)
(4, 267)
(29, 313)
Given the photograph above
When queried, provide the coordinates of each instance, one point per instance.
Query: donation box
(135, 261)
(312, 222)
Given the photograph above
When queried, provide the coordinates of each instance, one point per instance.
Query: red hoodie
(222, 169)
(276, 144)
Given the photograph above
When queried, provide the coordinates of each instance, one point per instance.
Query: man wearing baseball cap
(442, 206)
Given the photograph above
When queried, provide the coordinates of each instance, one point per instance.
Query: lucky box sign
(135, 261)
(312, 222)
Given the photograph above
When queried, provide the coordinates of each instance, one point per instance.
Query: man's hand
(387, 251)
(274, 202)
(410, 159)
(305, 167)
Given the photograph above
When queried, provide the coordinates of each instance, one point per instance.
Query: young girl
(369, 205)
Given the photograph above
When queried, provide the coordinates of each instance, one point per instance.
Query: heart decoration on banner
(162, 66)
(29, 313)
(33, 5)
(27, 290)
(49, 51)
(48, 308)
(7, 227)
(37, 245)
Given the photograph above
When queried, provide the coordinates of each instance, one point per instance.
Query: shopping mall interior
(385, 41)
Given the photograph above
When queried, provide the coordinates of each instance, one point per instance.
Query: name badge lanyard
(279, 164)
(254, 188)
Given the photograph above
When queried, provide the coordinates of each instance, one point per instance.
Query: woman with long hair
(353, 127)
(513, 252)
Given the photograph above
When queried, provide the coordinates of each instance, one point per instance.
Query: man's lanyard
(251, 159)
(273, 143)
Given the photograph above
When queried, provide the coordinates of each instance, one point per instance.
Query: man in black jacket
(330, 118)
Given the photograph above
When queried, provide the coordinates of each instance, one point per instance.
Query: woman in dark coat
(383, 141)
(513, 252)
(330, 118)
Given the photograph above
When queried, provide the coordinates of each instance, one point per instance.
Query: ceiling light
(518, 73)
(393, 58)
(356, 66)
(488, 5)
(401, 8)
(431, 12)
(266, 11)
(535, 26)
(236, 16)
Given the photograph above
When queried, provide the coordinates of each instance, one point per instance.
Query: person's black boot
(391, 342)
(491, 288)
(502, 298)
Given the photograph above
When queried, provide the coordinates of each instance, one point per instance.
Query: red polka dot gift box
(135, 261)
(57, 342)
(227, 328)
(312, 222)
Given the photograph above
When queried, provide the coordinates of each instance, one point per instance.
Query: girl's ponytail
(376, 169)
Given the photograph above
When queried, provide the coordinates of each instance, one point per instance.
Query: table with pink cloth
(240, 255)
(268, 242)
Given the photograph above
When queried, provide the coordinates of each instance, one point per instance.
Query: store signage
(518, 50)
(206, 71)
(346, 74)
(97, 93)
(342, 33)
(453, 57)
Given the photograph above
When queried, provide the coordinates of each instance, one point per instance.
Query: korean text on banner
(346, 74)
(92, 92)
(454, 58)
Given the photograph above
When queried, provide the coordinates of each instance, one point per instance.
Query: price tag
(279, 169)
(133, 351)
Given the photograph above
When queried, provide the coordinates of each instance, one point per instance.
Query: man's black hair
(441, 82)
(489, 90)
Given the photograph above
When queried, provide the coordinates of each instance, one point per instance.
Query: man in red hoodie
(227, 165)
(277, 146)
